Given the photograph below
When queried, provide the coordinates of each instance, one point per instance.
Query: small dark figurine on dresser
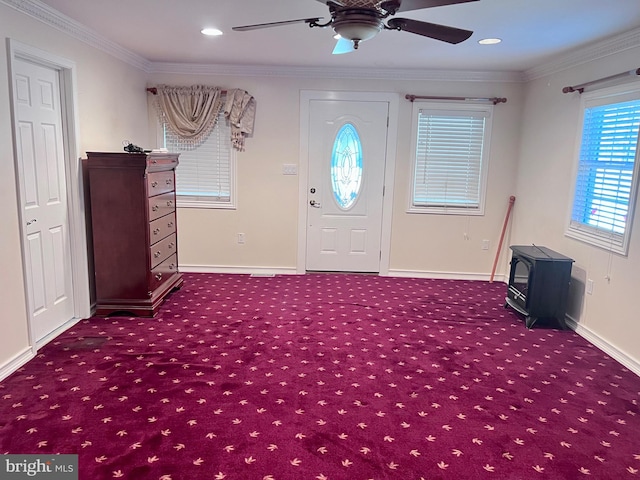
(133, 218)
(539, 281)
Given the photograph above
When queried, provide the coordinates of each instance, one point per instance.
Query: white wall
(550, 131)
(268, 201)
(111, 108)
(436, 244)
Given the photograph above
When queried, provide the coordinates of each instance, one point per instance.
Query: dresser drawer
(163, 272)
(161, 162)
(160, 182)
(163, 249)
(161, 205)
(161, 227)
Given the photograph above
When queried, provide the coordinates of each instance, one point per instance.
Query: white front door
(43, 196)
(347, 148)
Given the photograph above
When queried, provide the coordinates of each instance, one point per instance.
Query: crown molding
(55, 19)
(587, 53)
(336, 73)
(593, 51)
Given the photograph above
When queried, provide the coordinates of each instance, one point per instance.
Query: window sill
(209, 204)
(445, 211)
(598, 241)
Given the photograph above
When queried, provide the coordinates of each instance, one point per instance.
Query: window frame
(191, 201)
(455, 109)
(598, 237)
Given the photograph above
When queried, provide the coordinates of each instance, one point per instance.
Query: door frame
(393, 100)
(73, 172)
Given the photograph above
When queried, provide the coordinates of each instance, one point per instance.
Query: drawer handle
(154, 184)
(158, 276)
(170, 224)
(169, 181)
(172, 266)
(156, 231)
(170, 203)
(157, 254)
(155, 208)
(171, 245)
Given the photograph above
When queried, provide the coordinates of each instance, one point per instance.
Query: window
(205, 176)
(450, 158)
(607, 169)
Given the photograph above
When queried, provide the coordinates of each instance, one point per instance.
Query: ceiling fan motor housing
(357, 25)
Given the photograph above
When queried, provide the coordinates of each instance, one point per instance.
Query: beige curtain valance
(191, 112)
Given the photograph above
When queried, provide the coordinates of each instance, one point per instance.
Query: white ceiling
(533, 32)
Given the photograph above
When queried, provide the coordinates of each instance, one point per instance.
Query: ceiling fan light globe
(360, 27)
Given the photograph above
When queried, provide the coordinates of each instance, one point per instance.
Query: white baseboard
(57, 332)
(237, 270)
(599, 342)
(446, 275)
(16, 362)
(29, 353)
(293, 271)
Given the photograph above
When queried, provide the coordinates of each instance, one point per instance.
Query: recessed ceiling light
(212, 32)
(489, 41)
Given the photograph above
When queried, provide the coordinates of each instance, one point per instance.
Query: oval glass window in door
(346, 166)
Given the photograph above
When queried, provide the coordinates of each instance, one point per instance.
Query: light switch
(289, 169)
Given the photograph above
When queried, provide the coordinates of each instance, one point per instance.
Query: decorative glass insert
(346, 166)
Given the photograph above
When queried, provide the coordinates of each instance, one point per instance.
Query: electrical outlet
(589, 287)
(485, 244)
(241, 238)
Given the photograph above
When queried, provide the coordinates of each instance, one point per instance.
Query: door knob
(314, 204)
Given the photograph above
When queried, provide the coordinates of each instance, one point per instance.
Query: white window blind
(205, 172)
(450, 165)
(606, 179)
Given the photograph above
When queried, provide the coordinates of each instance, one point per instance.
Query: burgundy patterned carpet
(338, 377)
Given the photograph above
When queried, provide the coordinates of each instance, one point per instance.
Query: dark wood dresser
(133, 219)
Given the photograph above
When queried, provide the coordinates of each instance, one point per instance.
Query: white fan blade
(343, 46)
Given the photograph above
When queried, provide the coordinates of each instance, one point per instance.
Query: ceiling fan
(355, 21)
